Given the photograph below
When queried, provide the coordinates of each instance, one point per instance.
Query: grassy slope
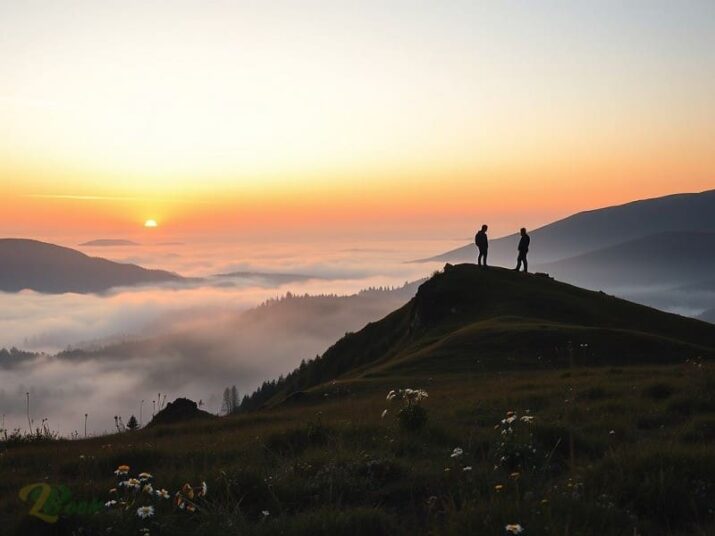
(468, 319)
(617, 449)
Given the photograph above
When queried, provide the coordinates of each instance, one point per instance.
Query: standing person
(523, 250)
(482, 243)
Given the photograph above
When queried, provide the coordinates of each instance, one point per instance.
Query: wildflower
(510, 418)
(456, 453)
(265, 513)
(161, 493)
(526, 418)
(188, 491)
(109, 504)
(447, 469)
(190, 507)
(122, 470)
(203, 489)
(144, 476)
(498, 487)
(514, 529)
(148, 489)
(392, 394)
(145, 511)
(515, 475)
(612, 432)
(383, 414)
(431, 501)
(131, 483)
(113, 490)
(467, 468)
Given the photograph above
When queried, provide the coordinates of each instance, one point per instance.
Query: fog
(191, 340)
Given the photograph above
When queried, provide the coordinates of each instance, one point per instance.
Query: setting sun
(150, 223)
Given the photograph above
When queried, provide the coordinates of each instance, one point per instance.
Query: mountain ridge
(49, 268)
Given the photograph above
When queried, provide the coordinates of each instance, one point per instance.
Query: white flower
(144, 476)
(527, 418)
(612, 432)
(509, 420)
(467, 468)
(148, 489)
(161, 493)
(456, 453)
(131, 483)
(514, 529)
(392, 394)
(203, 490)
(109, 504)
(145, 511)
(383, 414)
(265, 513)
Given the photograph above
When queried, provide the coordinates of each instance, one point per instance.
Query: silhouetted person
(523, 250)
(482, 243)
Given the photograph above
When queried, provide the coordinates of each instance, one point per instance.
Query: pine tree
(132, 423)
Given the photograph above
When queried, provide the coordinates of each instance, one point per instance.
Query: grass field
(623, 450)
(551, 410)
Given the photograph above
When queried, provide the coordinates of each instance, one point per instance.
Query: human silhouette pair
(482, 243)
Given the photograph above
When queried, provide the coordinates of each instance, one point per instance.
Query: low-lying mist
(130, 344)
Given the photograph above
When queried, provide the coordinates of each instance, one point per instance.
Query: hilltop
(471, 320)
(48, 268)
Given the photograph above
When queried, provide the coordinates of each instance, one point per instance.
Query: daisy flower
(145, 511)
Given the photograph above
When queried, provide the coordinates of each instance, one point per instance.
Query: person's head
(523, 231)
(484, 228)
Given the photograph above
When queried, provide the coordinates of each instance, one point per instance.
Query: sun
(151, 223)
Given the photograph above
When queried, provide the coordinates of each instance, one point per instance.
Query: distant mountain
(43, 267)
(664, 259)
(600, 228)
(109, 242)
(468, 320)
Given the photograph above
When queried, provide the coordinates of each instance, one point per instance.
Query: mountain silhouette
(471, 320)
(663, 259)
(48, 268)
(600, 228)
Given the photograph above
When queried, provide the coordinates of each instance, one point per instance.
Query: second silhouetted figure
(482, 243)
(523, 250)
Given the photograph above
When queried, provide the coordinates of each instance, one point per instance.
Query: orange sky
(342, 119)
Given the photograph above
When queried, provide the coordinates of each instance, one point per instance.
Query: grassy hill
(467, 320)
(48, 268)
(558, 409)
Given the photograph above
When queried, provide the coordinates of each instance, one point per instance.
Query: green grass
(614, 455)
(623, 413)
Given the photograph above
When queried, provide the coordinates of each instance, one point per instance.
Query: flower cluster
(140, 495)
(516, 449)
(412, 416)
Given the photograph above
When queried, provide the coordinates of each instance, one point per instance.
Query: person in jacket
(482, 243)
(523, 250)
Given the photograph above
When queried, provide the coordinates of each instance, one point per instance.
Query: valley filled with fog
(228, 323)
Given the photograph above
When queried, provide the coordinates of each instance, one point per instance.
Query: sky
(318, 120)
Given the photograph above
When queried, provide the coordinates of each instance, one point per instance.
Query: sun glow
(151, 223)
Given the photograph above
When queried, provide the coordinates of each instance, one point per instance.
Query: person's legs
(521, 258)
(526, 264)
(486, 252)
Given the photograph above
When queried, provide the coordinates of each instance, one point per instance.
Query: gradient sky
(313, 119)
